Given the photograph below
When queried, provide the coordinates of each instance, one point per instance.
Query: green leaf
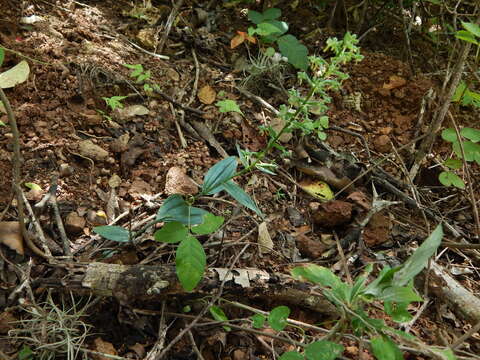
(2, 55)
(26, 353)
(323, 350)
(471, 134)
(258, 321)
(296, 52)
(255, 17)
(448, 178)
(385, 349)
(218, 175)
(317, 274)
(398, 311)
(278, 316)
(211, 223)
(466, 36)
(459, 91)
(175, 208)
(324, 122)
(219, 315)
(449, 135)
(228, 106)
(471, 149)
(114, 233)
(419, 259)
(172, 232)
(271, 27)
(291, 355)
(137, 69)
(271, 14)
(241, 196)
(472, 28)
(399, 294)
(14, 76)
(33, 186)
(454, 164)
(190, 262)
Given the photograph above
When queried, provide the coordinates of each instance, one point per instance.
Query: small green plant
(228, 105)
(270, 30)
(141, 75)
(469, 138)
(114, 102)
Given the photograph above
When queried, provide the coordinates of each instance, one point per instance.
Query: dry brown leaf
(11, 236)
(178, 182)
(394, 82)
(265, 243)
(237, 40)
(103, 347)
(207, 95)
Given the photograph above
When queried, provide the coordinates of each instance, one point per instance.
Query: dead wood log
(129, 284)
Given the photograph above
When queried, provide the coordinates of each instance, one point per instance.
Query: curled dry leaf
(178, 182)
(207, 95)
(265, 243)
(11, 236)
(105, 347)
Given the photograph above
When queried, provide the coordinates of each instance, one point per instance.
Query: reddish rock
(382, 143)
(74, 223)
(333, 213)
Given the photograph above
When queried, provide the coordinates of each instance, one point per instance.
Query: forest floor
(111, 162)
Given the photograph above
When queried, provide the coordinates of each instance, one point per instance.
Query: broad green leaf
(471, 134)
(175, 208)
(466, 36)
(219, 315)
(271, 27)
(258, 321)
(317, 274)
(383, 280)
(255, 17)
(323, 350)
(448, 178)
(33, 186)
(471, 149)
(114, 233)
(471, 98)
(459, 91)
(399, 294)
(296, 52)
(228, 106)
(241, 196)
(211, 223)
(271, 14)
(278, 316)
(385, 349)
(362, 322)
(449, 135)
(357, 287)
(419, 259)
(2, 55)
(291, 355)
(171, 232)
(472, 28)
(190, 262)
(324, 121)
(454, 164)
(218, 175)
(16, 75)
(398, 311)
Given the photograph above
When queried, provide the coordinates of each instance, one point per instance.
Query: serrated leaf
(385, 349)
(448, 178)
(114, 233)
(211, 223)
(190, 262)
(323, 350)
(449, 135)
(228, 105)
(296, 52)
(471, 134)
(278, 316)
(419, 259)
(472, 28)
(172, 232)
(454, 164)
(219, 315)
(241, 196)
(16, 75)
(291, 355)
(258, 321)
(218, 174)
(174, 208)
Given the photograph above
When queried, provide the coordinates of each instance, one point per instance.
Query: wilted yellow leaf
(318, 189)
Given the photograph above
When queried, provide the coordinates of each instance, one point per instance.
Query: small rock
(308, 247)
(88, 149)
(296, 218)
(74, 224)
(139, 187)
(333, 213)
(382, 143)
(65, 170)
(178, 182)
(114, 181)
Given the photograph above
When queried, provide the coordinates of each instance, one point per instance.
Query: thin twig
(168, 25)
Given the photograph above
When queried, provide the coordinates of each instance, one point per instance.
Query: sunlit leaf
(278, 316)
